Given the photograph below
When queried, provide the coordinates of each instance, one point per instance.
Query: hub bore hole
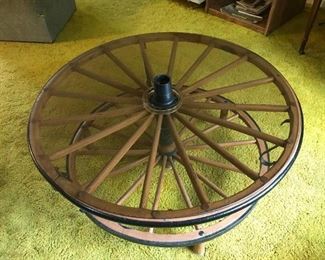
(162, 79)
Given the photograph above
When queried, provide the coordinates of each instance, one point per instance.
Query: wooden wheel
(157, 118)
(173, 237)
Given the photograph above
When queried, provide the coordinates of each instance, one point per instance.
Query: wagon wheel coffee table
(166, 139)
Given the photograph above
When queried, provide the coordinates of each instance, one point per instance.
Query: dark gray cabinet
(34, 20)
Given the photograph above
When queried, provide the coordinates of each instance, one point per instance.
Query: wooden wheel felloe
(165, 130)
(171, 237)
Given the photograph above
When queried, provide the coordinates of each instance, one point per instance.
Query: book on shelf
(256, 8)
(231, 10)
(248, 10)
(249, 3)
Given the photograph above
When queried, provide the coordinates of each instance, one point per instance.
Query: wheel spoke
(172, 58)
(187, 164)
(197, 147)
(129, 166)
(114, 99)
(208, 182)
(236, 127)
(215, 163)
(225, 154)
(213, 75)
(238, 143)
(131, 190)
(160, 184)
(100, 128)
(124, 68)
(117, 134)
(224, 144)
(181, 185)
(208, 130)
(88, 117)
(212, 185)
(150, 166)
(123, 169)
(104, 173)
(192, 120)
(146, 62)
(182, 188)
(91, 139)
(236, 107)
(133, 187)
(146, 134)
(97, 151)
(112, 83)
(159, 187)
(194, 66)
(230, 88)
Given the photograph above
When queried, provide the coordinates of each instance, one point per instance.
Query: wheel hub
(163, 98)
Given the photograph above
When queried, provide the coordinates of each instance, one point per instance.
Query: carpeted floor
(38, 223)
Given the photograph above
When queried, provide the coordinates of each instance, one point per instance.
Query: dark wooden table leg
(311, 20)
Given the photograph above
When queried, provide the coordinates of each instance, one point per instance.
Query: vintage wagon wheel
(171, 237)
(204, 116)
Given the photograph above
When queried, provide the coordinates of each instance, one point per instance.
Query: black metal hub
(164, 99)
(163, 96)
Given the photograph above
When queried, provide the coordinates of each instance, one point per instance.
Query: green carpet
(38, 223)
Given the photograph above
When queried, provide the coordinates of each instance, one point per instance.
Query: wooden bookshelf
(280, 12)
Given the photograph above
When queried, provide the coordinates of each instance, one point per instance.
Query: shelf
(280, 12)
(259, 27)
